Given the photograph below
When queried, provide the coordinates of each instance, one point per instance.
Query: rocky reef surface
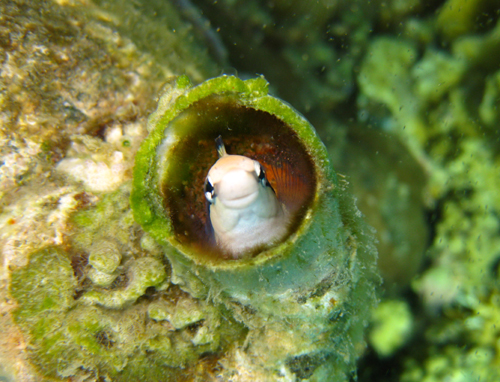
(404, 94)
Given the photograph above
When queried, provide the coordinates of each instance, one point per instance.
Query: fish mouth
(240, 201)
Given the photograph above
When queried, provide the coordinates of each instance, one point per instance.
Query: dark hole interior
(245, 131)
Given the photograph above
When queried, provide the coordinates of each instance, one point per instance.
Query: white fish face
(237, 189)
(244, 210)
(231, 178)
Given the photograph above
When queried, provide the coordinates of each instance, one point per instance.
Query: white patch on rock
(103, 166)
(96, 176)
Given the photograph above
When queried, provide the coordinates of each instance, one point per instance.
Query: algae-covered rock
(392, 326)
(143, 273)
(104, 258)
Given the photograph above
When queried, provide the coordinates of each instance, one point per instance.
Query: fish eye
(261, 173)
(258, 168)
(209, 190)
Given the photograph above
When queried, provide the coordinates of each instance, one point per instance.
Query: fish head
(235, 181)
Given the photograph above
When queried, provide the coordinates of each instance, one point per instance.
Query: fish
(244, 210)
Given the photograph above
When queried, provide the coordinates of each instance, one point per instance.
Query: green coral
(385, 78)
(385, 70)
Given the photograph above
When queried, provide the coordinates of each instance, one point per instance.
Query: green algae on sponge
(304, 300)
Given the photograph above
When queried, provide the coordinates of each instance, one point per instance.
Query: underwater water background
(405, 95)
